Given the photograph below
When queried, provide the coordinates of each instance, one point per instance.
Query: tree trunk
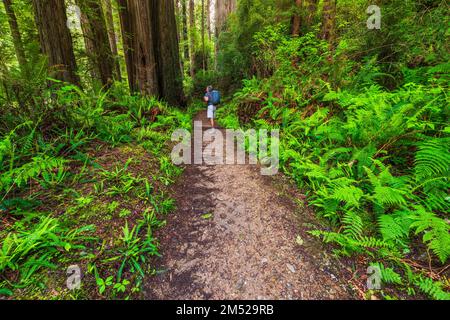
(297, 18)
(329, 19)
(143, 48)
(55, 39)
(312, 8)
(89, 45)
(185, 29)
(127, 39)
(167, 52)
(138, 35)
(98, 45)
(15, 33)
(208, 18)
(112, 37)
(192, 35)
(223, 10)
(203, 37)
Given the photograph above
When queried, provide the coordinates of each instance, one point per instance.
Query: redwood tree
(112, 37)
(137, 27)
(167, 52)
(185, 28)
(329, 20)
(55, 39)
(15, 33)
(223, 10)
(97, 40)
(311, 11)
(297, 18)
(192, 35)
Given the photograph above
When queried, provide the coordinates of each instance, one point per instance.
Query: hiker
(212, 98)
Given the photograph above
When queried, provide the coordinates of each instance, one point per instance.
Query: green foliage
(388, 275)
(435, 232)
(434, 289)
(373, 162)
(36, 244)
(52, 164)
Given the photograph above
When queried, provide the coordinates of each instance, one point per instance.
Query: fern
(432, 288)
(348, 194)
(388, 275)
(388, 191)
(435, 232)
(395, 228)
(32, 170)
(432, 159)
(432, 165)
(353, 225)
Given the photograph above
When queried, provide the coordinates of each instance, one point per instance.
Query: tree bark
(312, 8)
(98, 45)
(112, 37)
(167, 52)
(192, 35)
(223, 10)
(143, 48)
(208, 18)
(127, 39)
(15, 33)
(297, 18)
(89, 44)
(185, 29)
(203, 37)
(55, 39)
(329, 20)
(138, 34)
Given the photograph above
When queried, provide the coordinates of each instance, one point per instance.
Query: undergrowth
(88, 193)
(374, 163)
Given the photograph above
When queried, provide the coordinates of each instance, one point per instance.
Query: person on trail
(212, 98)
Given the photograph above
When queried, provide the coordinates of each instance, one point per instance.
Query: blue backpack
(215, 97)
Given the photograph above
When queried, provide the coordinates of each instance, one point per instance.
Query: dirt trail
(248, 248)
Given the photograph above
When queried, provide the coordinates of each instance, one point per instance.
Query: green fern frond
(394, 228)
(348, 194)
(388, 275)
(432, 288)
(389, 196)
(432, 159)
(435, 232)
(353, 225)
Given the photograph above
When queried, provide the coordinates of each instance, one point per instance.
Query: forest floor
(239, 235)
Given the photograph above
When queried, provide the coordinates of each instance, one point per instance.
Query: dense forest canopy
(92, 90)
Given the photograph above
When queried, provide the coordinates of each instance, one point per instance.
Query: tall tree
(203, 37)
(89, 44)
(142, 49)
(112, 37)
(329, 20)
(127, 39)
(223, 10)
(135, 20)
(208, 18)
(167, 52)
(99, 47)
(192, 35)
(311, 11)
(185, 28)
(15, 32)
(297, 18)
(55, 39)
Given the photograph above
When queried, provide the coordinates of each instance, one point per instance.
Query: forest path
(246, 247)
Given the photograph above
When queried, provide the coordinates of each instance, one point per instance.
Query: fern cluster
(374, 162)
